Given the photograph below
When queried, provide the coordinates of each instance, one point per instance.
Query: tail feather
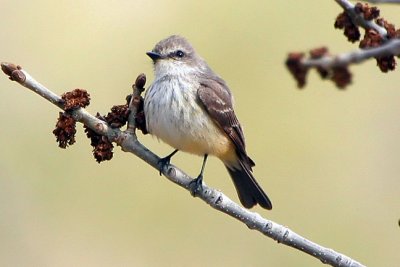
(249, 191)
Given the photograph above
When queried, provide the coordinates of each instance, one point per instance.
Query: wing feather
(217, 100)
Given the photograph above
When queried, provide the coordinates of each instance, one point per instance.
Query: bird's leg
(197, 184)
(164, 162)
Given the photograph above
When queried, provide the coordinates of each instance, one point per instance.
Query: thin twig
(381, 41)
(129, 143)
(383, 1)
(392, 47)
(358, 19)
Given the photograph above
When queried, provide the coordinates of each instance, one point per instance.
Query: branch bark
(383, 1)
(391, 47)
(359, 19)
(381, 41)
(128, 142)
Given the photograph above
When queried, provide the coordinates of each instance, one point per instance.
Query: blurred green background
(329, 159)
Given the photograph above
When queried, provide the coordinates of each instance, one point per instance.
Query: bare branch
(359, 20)
(383, 1)
(381, 41)
(129, 143)
(392, 47)
(138, 88)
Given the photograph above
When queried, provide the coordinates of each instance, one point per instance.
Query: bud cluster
(65, 127)
(116, 118)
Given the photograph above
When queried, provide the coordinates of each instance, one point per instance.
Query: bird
(190, 108)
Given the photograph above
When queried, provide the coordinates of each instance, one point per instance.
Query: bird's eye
(179, 54)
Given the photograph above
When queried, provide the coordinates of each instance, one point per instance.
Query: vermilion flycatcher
(190, 108)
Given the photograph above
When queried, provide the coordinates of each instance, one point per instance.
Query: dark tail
(249, 191)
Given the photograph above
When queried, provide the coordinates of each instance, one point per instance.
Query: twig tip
(140, 82)
(13, 72)
(8, 68)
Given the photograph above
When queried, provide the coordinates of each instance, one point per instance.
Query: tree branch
(380, 41)
(383, 1)
(358, 19)
(129, 143)
(391, 47)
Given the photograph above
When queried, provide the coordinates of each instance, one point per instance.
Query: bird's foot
(165, 162)
(196, 185)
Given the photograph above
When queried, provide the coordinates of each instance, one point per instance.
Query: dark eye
(179, 54)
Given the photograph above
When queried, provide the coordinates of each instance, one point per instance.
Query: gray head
(175, 55)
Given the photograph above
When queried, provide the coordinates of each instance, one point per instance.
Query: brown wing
(217, 101)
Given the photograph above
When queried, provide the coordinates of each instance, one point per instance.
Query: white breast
(173, 114)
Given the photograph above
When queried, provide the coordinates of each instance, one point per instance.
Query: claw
(165, 162)
(196, 185)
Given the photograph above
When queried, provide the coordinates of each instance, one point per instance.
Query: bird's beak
(154, 56)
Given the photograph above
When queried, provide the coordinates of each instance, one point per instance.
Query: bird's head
(175, 56)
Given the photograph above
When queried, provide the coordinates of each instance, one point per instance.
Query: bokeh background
(329, 159)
